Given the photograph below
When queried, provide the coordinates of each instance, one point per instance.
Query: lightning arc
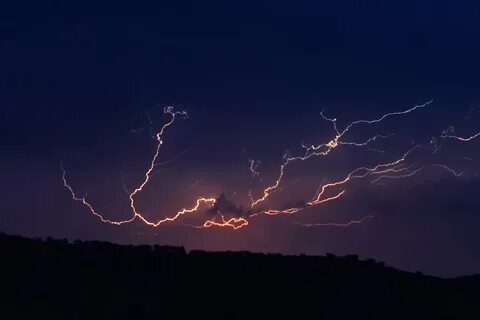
(253, 167)
(361, 172)
(453, 172)
(445, 134)
(148, 173)
(391, 170)
(334, 224)
(324, 149)
(402, 169)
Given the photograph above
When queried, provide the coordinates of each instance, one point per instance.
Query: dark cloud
(228, 208)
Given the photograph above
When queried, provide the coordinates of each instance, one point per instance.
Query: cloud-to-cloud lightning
(334, 224)
(221, 213)
(452, 171)
(381, 170)
(325, 148)
(449, 134)
(463, 138)
(148, 174)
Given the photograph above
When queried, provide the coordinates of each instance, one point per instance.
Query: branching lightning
(325, 148)
(395, 172)
(361, 172)
(326, 192)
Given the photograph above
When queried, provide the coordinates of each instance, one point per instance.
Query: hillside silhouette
(55, 279)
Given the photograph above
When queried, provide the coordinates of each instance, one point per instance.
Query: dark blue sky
(88, 83)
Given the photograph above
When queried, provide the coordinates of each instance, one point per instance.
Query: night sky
(86, 85)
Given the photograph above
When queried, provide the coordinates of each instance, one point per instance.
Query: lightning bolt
(464, 139)
(449, 134)
(453, 172)
(135, 213)
(325, 148)
(253, 167)
(358, 173)
(235, 223)
(334, 224)
(407, 175)
(87, 204)
(395, 169)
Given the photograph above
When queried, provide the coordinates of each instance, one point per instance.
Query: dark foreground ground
(96, 280)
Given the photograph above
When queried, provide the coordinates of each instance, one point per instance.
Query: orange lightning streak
(392, 170)
(148, 173)
(235, 223)
(84, 201)
(361, 172)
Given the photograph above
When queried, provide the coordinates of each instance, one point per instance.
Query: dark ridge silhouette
(55, 279)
